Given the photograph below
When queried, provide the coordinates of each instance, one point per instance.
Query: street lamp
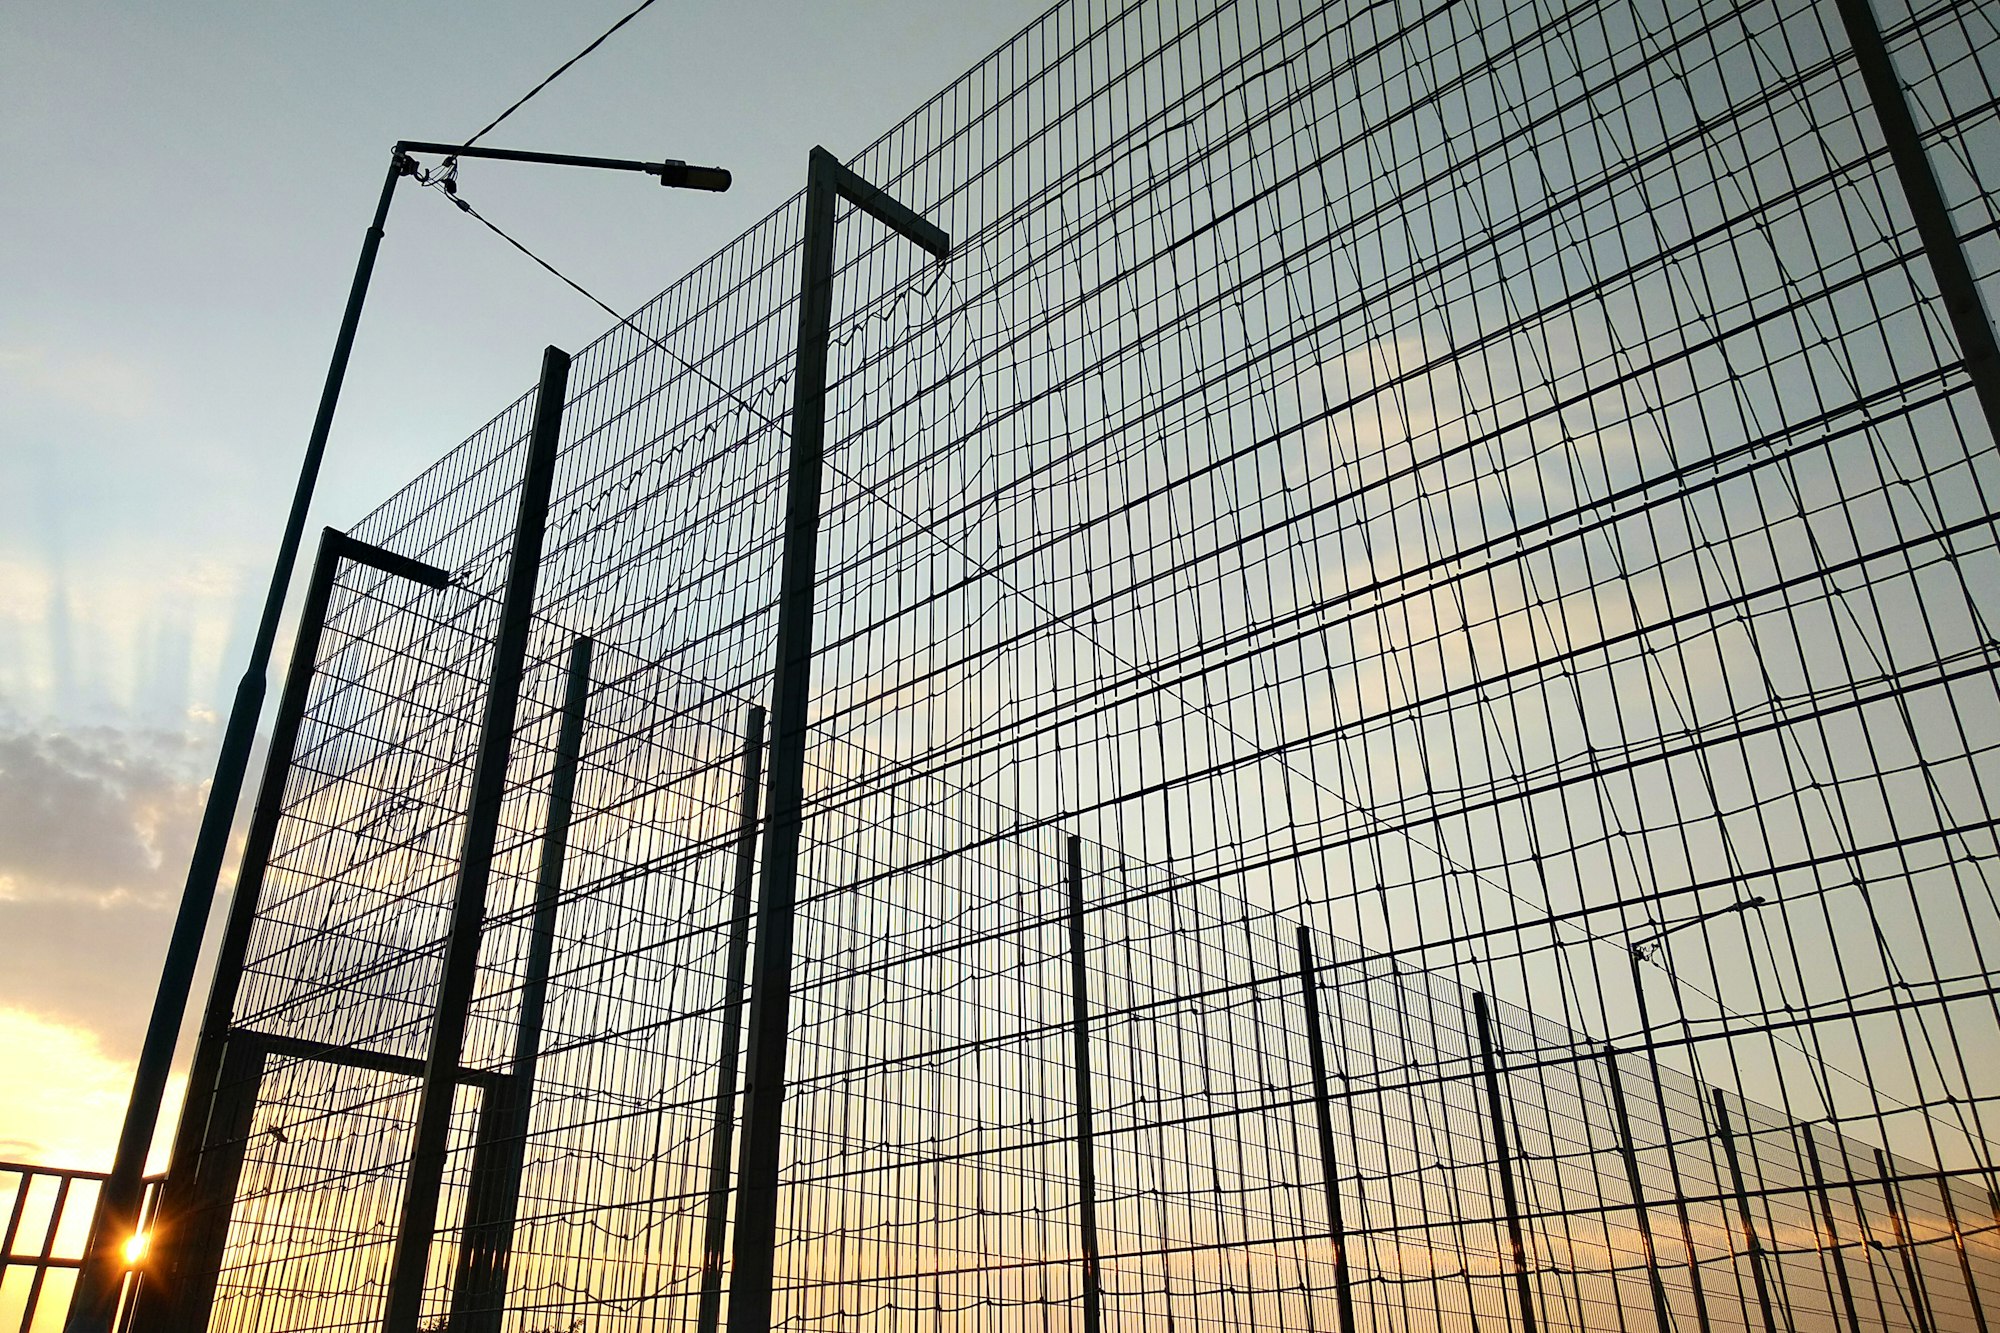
(115, 1222)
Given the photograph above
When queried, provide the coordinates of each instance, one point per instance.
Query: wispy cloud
(96, 816)
(95, 829)
(98, 384)
(64, 1094)
(126, 640)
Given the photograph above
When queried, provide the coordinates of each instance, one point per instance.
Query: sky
(187, 188)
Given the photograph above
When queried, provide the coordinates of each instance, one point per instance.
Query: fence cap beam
(877, 204)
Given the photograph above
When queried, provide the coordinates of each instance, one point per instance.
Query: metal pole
(203, 1222)
(1336, 1224)
(1086, 1144)
(1962, 302)
(1667, 1146)
(1964, 1259)
(729, 1066)
(1750, 1238)
(480, 1291)
(1832, 1232)
(166, 1309)
(460, 971)
(672, 173)
(1920, 1297)
(1524, 1294)
(95, 1300)
(1629, 1151)
(754, 1251)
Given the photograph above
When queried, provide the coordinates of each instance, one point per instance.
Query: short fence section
(47, 1211)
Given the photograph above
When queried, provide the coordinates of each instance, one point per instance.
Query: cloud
(96, 826)
(97, 816)
(85, 964)
(64, 1094)
(97, 384)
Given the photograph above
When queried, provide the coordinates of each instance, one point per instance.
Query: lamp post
(114, 1223)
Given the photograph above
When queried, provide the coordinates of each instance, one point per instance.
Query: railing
(47, 1212)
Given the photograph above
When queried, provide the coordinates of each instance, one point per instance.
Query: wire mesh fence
(1498, 487)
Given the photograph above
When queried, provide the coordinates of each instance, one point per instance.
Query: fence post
(460, 972)
(1920, 1297)
(1965, 309)
(1524, 1294)
(485, 1252)
(1750, 1238)
(172, 1264)
(1964, 1259)
(1323, 1109)
(729, 1066)
(1667, 1145)
(1629, 1151)
(1086, 1148)
(754, 1253)
(206, 1199)
(1832, 1233)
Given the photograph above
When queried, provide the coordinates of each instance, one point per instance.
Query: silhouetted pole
(460, 971)
(95, 1301)
(1628, 1150)
(1336, 1224)
(182, 1306)
(1667, 1149)
(479, 1293)
(1965, 309)
(1752, 1242)
(1920, 1297)
(753, 1254)
(729, 1068)
(1846, 1287)
(1086, 1132)
(1958, 1246)
(1523, 1292)
(101, 1274)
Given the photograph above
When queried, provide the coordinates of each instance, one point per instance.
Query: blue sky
(186, 189)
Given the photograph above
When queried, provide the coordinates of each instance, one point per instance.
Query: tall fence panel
(1506, 488)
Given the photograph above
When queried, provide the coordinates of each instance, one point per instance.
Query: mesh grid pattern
(1492, 483)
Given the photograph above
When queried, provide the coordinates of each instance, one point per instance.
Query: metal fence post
(1965, 309)
(479, 1292)
(431, 1136)
(1751, 1240)
(1681, 1216)
(1524, 1293)
(754, 1253)
(1958, 1245)
(1086, 1143)
(1336, 1224)
(160, 1304)
(1832, 1232)
(231, 1108)
(1920, 1297)
(1628, 1150)
(729, 1066)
